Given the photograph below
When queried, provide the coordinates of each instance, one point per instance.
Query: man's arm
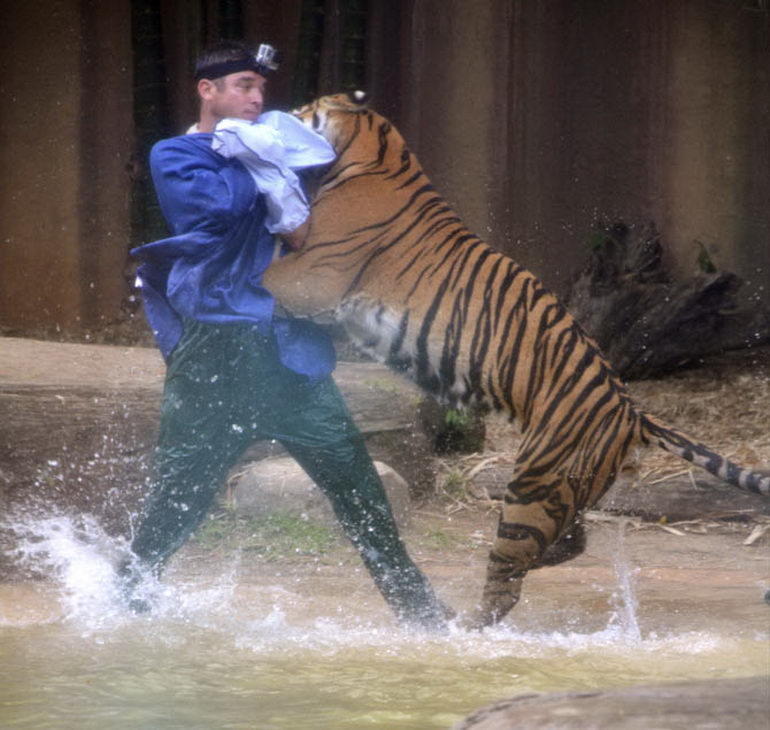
(197, 192)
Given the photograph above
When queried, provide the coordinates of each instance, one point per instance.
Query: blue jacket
(210, 268)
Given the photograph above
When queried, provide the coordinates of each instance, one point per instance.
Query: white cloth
(271, 149)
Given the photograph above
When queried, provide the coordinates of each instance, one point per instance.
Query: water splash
(229, 652)
(625, 615)
(78, 555)
(81, 558)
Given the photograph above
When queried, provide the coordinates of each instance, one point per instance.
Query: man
(237, 373)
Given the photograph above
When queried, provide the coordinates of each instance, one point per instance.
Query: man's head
(230, 83)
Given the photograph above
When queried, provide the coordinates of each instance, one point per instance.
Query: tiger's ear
(358, 97)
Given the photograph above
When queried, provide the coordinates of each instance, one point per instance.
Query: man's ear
(206, 89)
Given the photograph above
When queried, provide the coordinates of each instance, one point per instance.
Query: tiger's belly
(394, 335)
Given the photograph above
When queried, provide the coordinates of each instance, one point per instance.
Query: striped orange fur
(416, 289)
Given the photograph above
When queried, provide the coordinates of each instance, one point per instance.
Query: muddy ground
(703, 574)
(700, 574)
(704, 577)
(707, 581)
(702, 580)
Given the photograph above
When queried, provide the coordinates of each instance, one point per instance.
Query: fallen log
(647, 323)
(78, 424)
(675, 499)
(703, 497)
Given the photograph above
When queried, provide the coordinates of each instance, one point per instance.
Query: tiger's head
(335, 117)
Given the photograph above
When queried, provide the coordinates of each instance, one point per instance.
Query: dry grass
(723, 404)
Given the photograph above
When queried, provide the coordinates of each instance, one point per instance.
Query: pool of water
(226, 669)
(222, 652)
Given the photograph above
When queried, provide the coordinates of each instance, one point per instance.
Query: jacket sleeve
(196, 191)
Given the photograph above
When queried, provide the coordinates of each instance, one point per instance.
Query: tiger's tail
(674, 441)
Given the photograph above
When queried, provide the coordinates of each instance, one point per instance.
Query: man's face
(238, 95)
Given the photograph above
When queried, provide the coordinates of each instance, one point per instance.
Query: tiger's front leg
(502, 591)
(300, 290)
(532, 519)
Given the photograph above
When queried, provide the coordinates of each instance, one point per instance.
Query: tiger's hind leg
(537, 511)
(541, 504)
(567, 547)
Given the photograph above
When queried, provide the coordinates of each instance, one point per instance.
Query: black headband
(217, 70)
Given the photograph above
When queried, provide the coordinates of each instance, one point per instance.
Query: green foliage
(455, 418)
(600, 239)
(440, 539)
(454, 485)
(705, 263)
(272, 537)
(462, 431)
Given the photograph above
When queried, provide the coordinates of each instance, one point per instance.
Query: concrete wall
(538, 118)
(717, 180)
(535, 118)
(65, 145)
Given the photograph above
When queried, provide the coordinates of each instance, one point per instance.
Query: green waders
(226, 388)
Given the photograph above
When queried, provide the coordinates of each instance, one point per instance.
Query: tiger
(389, 258)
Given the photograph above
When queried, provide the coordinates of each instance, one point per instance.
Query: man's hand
(295, 239)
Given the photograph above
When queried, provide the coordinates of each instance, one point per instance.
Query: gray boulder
(725, 704)
(280, 485)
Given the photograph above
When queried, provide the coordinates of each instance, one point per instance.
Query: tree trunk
(647, 324)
